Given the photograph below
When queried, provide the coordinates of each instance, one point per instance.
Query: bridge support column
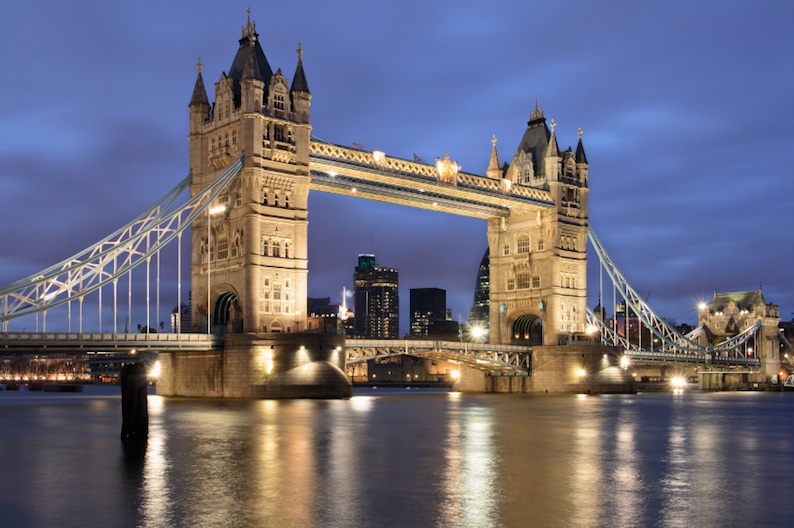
(259, 366)
(577, 369)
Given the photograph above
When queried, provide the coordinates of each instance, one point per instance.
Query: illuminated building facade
(377, 302)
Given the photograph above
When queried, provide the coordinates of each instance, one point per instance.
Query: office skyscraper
(377, 301)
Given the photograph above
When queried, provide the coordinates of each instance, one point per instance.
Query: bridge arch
(226, 314)
(527, 329)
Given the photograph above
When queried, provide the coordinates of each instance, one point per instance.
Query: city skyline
(684, 112)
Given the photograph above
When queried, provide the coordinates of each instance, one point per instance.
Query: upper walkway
(376, 176)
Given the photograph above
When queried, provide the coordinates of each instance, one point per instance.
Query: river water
(401, 458)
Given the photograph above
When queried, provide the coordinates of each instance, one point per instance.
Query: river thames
(401, 458)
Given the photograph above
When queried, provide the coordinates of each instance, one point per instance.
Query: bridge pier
(259, 366)
(571, 369)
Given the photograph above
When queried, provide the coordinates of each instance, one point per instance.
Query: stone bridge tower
(249, 262)
(539, 260)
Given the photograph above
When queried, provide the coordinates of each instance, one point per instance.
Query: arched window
(223, 247)
(522, 244)
(276, 248)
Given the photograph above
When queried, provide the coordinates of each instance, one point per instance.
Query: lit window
(522, 245)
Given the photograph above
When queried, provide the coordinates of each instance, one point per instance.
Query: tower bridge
(253, 162)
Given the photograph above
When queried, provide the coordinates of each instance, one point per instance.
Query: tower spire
(299, 83)
(494, 170)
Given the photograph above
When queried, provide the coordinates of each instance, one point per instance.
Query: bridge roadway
(492, 358)
(506, 359)
(716, 358)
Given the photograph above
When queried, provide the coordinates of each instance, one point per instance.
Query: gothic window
(226, 110)
(287, 251)
(522, 280)
(276, 248)
(279, 133)
(511, 284)
(286, 284)
(223, 247)
(265, 247)
(264, 196)
(286, 201)
(278, 100)
(275, 199)
(541, 245)
(522, 244)
(234, 137)
(506, 250)
(266, 303)
(536, 281)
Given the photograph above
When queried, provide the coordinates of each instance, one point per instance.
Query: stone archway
(527, 330)
(226, 314)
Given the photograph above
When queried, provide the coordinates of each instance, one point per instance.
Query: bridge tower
(249, 261)
(733, 312)
(538, 261)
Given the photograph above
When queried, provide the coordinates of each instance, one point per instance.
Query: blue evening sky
(686, 109)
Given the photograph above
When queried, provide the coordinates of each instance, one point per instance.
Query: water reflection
(402, 459)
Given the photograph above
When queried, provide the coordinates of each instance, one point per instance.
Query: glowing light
(447, 170)
(678, 382)
(266, 357)
(625, 362)
(702, 306)
(379, 157)
(591, 329)
(218, 209)
(581, 372)
(455, 374)
(154, 372)
(478, 332)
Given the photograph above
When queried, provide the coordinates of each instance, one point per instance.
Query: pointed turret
(581, 157)
(494, 170)
(299, 83)
(252, 87)
(199, 91)
(249, 45)
(552, 159)
(299, 93)
(199, 103)
(582, 167)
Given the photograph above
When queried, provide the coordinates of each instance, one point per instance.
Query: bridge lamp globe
(678, 382)
(455, 374)
(478, 332)
(625, 362)
(581, 373)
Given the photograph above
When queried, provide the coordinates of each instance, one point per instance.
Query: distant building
(323, 316)
(377, 310)
(428, 306)
(181, 321)
(479, 315)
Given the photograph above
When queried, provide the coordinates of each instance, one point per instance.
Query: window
(522, 245)
(235, 249)
(286, 200)
(541, 245)
(511, 284)
(506, 250)
(279, 133)
(536, 281)
(276, 248)
(522, 280)
(265, 247)
(278, 101)
(223, 247)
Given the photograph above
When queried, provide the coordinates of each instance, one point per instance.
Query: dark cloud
(685, 109)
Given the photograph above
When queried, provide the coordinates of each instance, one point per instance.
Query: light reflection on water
(400, 458)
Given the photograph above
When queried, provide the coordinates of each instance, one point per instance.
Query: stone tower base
(573, 369)
(259, 366)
